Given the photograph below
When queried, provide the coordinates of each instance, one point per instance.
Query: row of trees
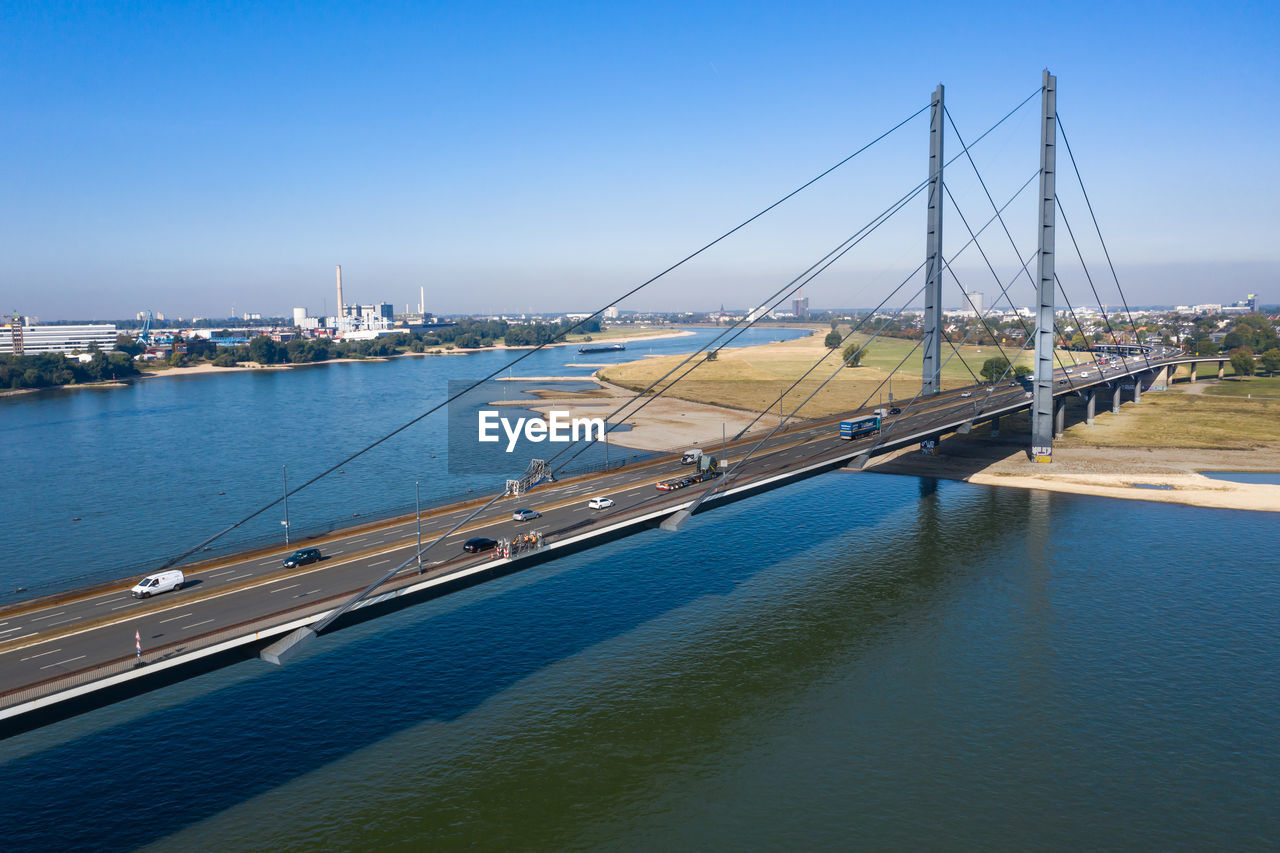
(1243, 363)
(47, 370)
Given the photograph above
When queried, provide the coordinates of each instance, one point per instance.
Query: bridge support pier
(1160, 379)
(995, 426)
(1042, 415)
(1137, 388)
(1059, 417)
(1192, 376)
(1115, 399)
(931, 367)
(1090, 406)
(1222, 366)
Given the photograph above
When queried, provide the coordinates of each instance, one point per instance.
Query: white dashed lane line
(42, 654)
(109, 600)
(61, 662)
(175, 618)
(196, 625)
(283, 588)
(48, 616)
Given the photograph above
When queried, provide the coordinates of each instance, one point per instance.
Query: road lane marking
(10, 630)
(42, 654)
(379, 563)
(220, 574)
(48, 616)
(174, 618)
(196, 625)
(64, 621)
(123, 606)
(109, 600)
(283, 588)
(61, 662)
(308, 592)
(237, 577)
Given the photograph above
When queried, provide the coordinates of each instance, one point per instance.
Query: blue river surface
(855, 661)
(105, 483)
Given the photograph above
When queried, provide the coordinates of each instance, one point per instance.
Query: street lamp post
(417, 511)
(284, 474)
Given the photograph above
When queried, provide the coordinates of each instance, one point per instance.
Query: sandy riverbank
(1161, 474)
(664, 424)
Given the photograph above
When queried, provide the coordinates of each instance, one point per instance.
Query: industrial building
(17, 338)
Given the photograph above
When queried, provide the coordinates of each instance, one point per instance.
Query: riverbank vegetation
(48, 370)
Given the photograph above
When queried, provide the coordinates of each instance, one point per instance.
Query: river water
(104, 483)
(856, 661)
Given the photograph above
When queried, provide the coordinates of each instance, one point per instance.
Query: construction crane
(144, 336)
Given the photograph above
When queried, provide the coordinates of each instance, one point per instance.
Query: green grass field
(752, 378)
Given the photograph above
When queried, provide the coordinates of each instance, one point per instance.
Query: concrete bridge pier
(1115, 399)
(1137, 388)
(1059, 417)
(1160, 379)
(1090, 405)
(1191, 377)
(1222, 366)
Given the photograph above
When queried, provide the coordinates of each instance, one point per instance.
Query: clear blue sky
(190, 157)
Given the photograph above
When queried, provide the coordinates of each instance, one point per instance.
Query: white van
(157, 583)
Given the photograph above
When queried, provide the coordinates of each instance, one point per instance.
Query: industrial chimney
(341, 312)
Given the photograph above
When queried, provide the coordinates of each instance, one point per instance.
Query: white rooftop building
(33, 340)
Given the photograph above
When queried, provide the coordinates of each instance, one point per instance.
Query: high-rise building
(974, 301)
(800, 307)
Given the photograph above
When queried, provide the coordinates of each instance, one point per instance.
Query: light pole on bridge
(284, 474)
(417, 512)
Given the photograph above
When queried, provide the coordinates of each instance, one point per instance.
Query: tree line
(50, 369)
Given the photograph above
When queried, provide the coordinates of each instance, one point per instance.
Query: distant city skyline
(509, 159)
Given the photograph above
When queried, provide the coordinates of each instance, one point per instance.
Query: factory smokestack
(341, 313)
(422, 300)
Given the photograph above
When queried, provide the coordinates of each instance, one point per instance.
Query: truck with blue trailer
(859, 427)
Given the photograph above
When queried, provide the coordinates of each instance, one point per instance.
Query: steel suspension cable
(1012, 243)
(973, 237)
(1080, 180)
(579, 324)
(964, 151)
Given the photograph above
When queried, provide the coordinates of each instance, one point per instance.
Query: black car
(480, 543)
(302, 557)
(895, 411)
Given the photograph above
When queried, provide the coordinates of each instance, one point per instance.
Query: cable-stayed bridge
(63, 653)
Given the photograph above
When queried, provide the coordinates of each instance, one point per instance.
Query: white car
(600, 503)
(158, 583)
(967, 394)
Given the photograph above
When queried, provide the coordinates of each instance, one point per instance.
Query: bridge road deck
(45, 649)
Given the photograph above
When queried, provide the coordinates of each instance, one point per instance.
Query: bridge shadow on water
(138, 781)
